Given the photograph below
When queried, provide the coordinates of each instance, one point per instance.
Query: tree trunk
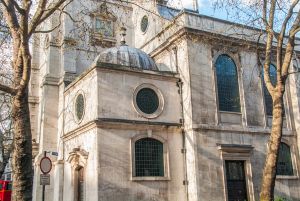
(269, 173)
(22, 152)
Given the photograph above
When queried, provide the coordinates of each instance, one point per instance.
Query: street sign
(45, 179)
(45, 165)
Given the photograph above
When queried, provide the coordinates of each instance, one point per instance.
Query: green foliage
(279, 198)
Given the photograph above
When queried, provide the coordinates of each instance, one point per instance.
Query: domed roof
(127, 56)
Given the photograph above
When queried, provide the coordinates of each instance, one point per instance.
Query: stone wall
(116, 180)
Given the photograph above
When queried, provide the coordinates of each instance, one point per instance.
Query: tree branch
(45, 14)
(282, 32)
(7, 89)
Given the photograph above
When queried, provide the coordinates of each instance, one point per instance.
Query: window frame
(166, 176)
(148, 22)
(160, 96)
(239, 118)
(77, 159)
(268, 118)
(101, 18)
(263, 89)
(232, 152)
(104, 14)
(79, 92)
(293, 160)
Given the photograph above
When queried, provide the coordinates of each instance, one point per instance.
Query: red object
(5, 190)
(45, 165)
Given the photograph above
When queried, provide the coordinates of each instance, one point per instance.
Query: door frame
(238, 153)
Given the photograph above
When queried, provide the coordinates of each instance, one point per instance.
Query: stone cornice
(123, 124)
(158, 75)
(50, 80)
(238, 129)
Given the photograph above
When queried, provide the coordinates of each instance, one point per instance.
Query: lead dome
(127, 56)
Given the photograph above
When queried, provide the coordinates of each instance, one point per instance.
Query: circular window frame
(84, 104)
(161, 102)
(146, 29)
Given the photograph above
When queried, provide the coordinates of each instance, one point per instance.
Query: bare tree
(279, 21)
(6, 130)
(21, 20)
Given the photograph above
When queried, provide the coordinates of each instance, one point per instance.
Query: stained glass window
(79, 106)
(104, 27)
(284, 161)
(147, 100)
(228, 85)
(267, 95)
(149, 158)
(144, 23)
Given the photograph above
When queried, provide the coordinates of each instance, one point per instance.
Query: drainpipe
(183, 150)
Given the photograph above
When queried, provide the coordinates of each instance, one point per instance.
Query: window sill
(103, 41)
(233, 118)
(150, 179)
(227, 112)
(279, 177)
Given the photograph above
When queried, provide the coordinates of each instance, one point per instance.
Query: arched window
(267, 95)
(228, 85)
(149, 158)
(284, 161)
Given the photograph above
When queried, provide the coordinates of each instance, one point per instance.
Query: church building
(144, 102)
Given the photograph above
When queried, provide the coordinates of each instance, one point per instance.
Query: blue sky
(205, 7)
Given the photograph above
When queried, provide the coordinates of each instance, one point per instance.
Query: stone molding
(157, 75)
(121, 124)
(238, 129)
(78, 158)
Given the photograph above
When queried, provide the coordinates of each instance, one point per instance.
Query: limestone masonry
(144, 102)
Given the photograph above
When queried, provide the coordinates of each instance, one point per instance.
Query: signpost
(45, 166)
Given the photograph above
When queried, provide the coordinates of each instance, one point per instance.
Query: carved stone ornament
(97, 38)
(78, 158)
(103, 12)
(70, 41)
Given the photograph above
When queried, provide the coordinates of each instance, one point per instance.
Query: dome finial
(123, 34)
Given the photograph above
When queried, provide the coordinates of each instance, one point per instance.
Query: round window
(144, 23)
(79, 107)
(148, 101)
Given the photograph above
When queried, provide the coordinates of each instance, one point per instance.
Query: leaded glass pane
(228, 86)
(144, 23)
(149, 158)
(79, 106)
(147, 100)
(284, 162)
(104, 27)
(267, 95)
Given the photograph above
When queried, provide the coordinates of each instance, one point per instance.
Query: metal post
(43, 195)
(44, 187)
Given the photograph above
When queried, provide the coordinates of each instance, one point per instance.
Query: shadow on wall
(143, 191)
(163, 67)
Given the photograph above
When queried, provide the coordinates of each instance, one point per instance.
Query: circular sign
(45, 165)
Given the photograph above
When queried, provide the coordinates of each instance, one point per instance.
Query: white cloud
(181, 3)
(186, 3)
